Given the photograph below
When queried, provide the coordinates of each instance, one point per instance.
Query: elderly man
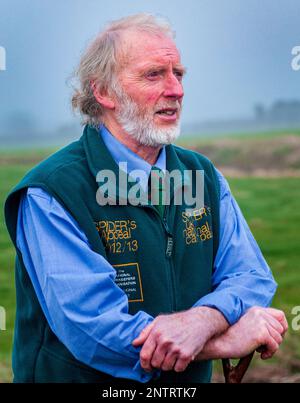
(136, 291)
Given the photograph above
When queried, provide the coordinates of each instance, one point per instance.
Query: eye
(178, 74)
(153, 74)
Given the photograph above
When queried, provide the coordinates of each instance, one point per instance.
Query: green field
(194, 139)
(271, 207)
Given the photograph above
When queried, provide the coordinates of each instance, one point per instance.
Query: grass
(271, 208)
(9, 176)
(270, 205)
(194, 139)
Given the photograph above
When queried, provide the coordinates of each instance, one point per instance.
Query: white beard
(138, 122)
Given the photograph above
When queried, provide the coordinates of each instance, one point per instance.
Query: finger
(143, 335)
(159, 356)
(271, 345)
(169, 361)
(280, 316)
(284, 323)
(274, 323)
(182, 362)
(271, 349)
(261, 349)
(146, 353)
(276, 336)
(277, 313)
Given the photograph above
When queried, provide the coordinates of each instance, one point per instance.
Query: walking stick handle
(234, 374)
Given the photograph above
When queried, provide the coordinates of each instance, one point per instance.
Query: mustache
(168, 105)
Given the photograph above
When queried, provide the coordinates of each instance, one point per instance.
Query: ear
(102, 97)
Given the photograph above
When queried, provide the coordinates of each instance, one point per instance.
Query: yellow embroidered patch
(194, 232)
(117, 235)
(129, 279)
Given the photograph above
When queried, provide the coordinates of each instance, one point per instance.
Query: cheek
(146, 100)
(149, 94)
(149, 97)
(152, 98)
(144, 94)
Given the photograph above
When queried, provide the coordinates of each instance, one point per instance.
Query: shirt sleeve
(75, 287)
(241, 277)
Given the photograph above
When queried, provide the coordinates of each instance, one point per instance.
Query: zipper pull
(169, 249)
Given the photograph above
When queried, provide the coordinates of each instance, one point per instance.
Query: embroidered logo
(117, 235)
(196, 225)
(129, 279)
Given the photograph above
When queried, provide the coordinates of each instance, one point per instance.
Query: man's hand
(172, 341)
(259, 328)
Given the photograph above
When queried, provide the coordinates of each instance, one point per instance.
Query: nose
(173, 87)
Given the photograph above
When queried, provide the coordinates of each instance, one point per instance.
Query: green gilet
(169, 261)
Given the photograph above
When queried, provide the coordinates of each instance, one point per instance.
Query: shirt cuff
(144, 375)
(226, 303)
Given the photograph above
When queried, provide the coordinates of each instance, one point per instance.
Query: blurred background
(241, 109)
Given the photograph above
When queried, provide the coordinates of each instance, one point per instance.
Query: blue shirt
(88, 312)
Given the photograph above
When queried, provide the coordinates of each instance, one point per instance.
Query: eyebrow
(181, 68)
(161, 67)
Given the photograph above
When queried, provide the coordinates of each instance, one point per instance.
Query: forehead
(140, 49)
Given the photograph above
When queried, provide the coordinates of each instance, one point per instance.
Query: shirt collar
(121, 153)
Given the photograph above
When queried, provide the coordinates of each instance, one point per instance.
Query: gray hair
(98, 63)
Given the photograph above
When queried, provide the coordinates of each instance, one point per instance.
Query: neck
(148, 153)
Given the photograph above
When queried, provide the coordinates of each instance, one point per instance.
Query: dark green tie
(156, 189)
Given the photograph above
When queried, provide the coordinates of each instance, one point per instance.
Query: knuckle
(155, 363)
(281, 316)
(281, 313)
(158, 333)
(144, 356)
(174, 349)
(185, 355)
(262, 335)
(164, 340)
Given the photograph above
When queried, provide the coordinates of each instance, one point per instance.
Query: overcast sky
(237, 52)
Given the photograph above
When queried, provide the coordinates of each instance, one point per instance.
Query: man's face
(149, 89)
